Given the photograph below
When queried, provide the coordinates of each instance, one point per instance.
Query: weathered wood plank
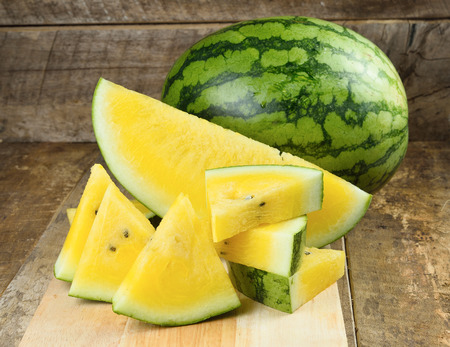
(345, 297)
(399, 255)
(25, 12)
(47, 75)
(67, 174)
(61, 320)
(34, 180)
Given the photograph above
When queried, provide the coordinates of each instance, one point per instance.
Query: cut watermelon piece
(178, 278)
(117, 236)
(70, 254)
(276, 248)
(156, 152)
(241, 198)
(319, 269)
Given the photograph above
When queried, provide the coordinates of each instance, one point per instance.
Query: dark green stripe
(312, 46)
(299, 241)
(265, 287)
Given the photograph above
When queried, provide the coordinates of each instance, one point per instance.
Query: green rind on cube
(265, 287)
(298, 244)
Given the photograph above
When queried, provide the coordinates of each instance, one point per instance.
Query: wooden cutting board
(61, 320)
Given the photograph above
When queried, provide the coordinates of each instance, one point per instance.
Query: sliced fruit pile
(219, 194)
(169, 277)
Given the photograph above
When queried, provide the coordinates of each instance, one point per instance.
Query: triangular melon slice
(178, 278)
(117, 236)
(276, 248)
(241, 198)
(319, 269)
(91, 198)
(156, 151)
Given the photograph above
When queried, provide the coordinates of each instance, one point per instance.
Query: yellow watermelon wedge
(156, 152)
(84, 216)
(117, 236)
(241, 198)
(178, 277)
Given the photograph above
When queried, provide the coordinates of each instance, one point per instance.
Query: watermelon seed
(112, 248)
(262, 204)
(307, 253)
(95, 212)
(249, 197)
(125, 233)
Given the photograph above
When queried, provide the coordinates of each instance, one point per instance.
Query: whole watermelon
(303, 85)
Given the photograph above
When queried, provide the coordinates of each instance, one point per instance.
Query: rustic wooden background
(53, 52)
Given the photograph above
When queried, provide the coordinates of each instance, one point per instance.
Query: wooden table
(396, 292)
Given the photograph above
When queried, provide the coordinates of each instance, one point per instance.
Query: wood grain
(64, 321)
(22, 296)
(399, 255)
(34, 180)
(26, 12)
(48, 75)
(61, 320)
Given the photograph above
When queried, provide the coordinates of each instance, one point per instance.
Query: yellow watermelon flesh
(70, 254)
(156, 152)
(144, 210)
(178, 278)
(241, 198)
(276, 248)
(117, 236)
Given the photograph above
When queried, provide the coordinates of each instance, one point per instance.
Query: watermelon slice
(243, 197)
(178, 278)
(70, 254)
(117, 236)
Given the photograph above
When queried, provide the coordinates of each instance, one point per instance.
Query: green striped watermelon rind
(298, 243)
(264, 287)
(356, 122)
